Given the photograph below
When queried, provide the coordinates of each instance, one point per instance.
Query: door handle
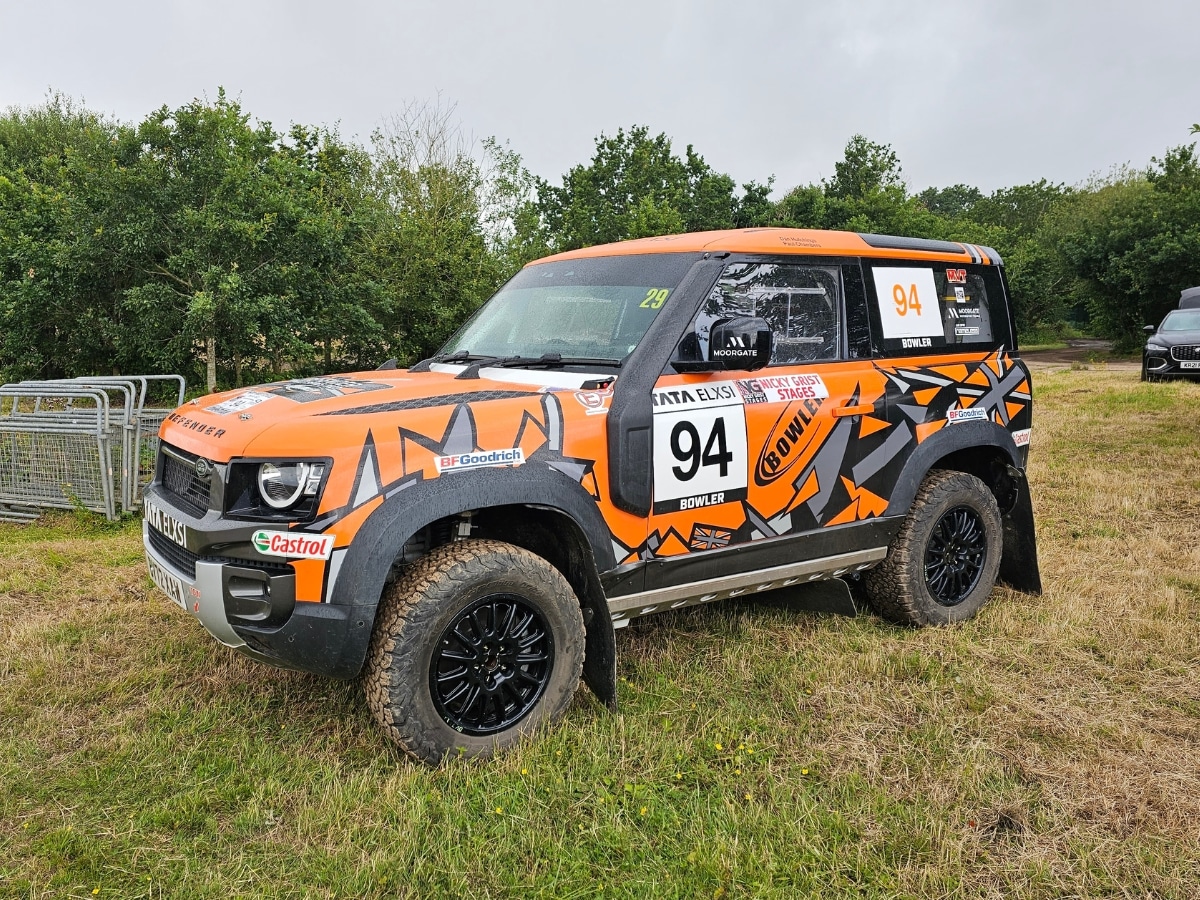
(860, 409)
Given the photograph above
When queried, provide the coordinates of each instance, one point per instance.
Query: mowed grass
(1050, 748)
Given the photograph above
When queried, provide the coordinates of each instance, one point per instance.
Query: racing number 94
(716, 450)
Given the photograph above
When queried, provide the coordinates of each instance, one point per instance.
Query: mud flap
(600, 649)
(1019, 564)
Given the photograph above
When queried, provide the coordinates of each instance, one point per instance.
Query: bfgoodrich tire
(477, 645)
(942, 566)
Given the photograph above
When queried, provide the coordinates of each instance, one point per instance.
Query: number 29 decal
(699, 447)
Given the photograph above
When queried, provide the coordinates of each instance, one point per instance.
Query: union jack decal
(707, 537)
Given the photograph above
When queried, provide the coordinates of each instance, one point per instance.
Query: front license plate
(165, 523)
(169, 584)
(1190, 364)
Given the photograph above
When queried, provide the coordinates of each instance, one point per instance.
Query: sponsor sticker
(164, 523)
(483, 459)
(701, 396)
(293, 546)
(974, 414)
(966, 330)
(239, 403)
(593, 401)
(783, 389)
(787, 441)
(956, 276)
(1021, 437)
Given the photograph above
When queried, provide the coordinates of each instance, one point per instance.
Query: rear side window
(921, 307)
(801, 303)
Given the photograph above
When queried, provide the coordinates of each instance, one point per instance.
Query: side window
(800, 303)
(939, 306)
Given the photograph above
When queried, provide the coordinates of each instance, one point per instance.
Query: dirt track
(1082, 350)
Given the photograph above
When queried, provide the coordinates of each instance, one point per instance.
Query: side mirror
(741, 343)
(1149, 329)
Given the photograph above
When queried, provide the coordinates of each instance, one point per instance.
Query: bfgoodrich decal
(974, 414)
(480, 460)
(293, 546)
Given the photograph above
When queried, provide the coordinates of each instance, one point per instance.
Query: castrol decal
(293, 546)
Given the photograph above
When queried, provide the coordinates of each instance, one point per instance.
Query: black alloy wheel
(942, 564)
(475, 647)
(955, 555)
(491, 664)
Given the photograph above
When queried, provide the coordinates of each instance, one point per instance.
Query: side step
(633, 606)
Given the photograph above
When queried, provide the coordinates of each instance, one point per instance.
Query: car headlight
(281, 486)
(275, 490)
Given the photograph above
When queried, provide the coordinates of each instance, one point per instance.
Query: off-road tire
(414, 614)
(897, 588)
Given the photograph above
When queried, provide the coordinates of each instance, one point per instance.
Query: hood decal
(429, 402)
(305, 390)
(367, 482)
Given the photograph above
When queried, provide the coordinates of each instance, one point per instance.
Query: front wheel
(476, 646)
(942, 565)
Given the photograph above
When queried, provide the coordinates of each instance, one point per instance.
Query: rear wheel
(477, 645)
(942, 566)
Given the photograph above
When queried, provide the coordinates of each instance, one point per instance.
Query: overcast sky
(988, 93)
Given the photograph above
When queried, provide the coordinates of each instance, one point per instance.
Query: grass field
(1051, 748)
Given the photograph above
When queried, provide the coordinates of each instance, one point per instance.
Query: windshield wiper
(456, 356)
(550, 360)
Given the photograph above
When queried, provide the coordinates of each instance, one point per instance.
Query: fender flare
(947, 440)
(364, 570)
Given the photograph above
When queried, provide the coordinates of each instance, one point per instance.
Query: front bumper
(1161, 362)
(252, 608)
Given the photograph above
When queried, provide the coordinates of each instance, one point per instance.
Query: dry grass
(1051, 748)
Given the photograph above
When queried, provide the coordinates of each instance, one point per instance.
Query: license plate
(165, 523)
(1190, 364)
(169, 584)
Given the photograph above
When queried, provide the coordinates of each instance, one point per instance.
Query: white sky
(991, 94)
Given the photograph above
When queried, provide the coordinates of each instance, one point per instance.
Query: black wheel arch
(987, 451)
(530, 506)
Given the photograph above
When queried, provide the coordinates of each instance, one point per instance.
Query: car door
(741, 457)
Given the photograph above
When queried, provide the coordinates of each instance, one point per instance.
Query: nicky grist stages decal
(699, 446)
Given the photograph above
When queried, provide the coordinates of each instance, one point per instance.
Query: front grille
(180, 480)
(185, 560)
(180, 559)
(1185, 351)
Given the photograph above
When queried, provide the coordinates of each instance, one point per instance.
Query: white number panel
(699, 447)
(908, 303)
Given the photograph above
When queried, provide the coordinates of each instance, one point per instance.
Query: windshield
(1181, 320)
(596, 308)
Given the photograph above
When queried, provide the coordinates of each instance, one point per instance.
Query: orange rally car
(619, 431)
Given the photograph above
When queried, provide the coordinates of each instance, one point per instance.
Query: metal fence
(83, 442)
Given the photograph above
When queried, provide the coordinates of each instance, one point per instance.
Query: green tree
(635, 186)
(59, 289)
(952, 202)
(1132, 242)
(446, 238)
